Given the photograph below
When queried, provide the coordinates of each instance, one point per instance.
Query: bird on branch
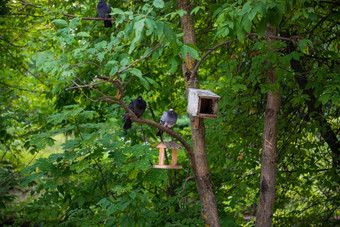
(104, 10)
(168, 119)
(138, 107)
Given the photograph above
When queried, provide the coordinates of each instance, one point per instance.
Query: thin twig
(142, 58)
(109, 97)
(102, 99)
(87, 85)
(209, 52)
(183, 188)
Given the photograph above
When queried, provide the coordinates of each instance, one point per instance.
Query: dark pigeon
(138, 107)
(104, 10)
(169, 119)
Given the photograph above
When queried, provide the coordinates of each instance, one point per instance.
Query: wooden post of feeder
(161, 155)
(169, 145)
(174, 157)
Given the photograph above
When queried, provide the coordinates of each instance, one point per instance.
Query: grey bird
(138, 107)
(104, 10)
(168, 119)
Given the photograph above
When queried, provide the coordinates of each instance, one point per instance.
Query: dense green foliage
(103, 175)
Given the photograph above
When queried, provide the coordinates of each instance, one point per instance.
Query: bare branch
(92, 63)
(102, 99)
(230, 41)
(95, 89)
(209, 52)
(186, 181)
(142, 58)
(87, 85)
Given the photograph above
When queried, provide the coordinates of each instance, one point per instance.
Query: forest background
(66, 160)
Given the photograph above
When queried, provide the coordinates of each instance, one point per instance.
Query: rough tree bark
(264, 215)
(200, 168)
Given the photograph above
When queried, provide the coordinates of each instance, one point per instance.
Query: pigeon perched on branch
(169, 119)
(138, 107)
(104, 10)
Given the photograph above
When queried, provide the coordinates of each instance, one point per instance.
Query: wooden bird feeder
(169, 145)
(202, 104)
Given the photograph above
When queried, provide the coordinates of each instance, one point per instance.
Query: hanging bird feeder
(172, 146)
(202, 104)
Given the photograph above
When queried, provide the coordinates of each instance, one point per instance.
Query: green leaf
(75, 23)
(104, 203)
(174, 65)
(151, 81)
(246, 8)
(158, 3)
(111, 209)
(274, 16)
(150, 24)
(41, 141)
(262, 27)
(195, 10)
(303, 43)
(325, 98)
(171, 37)
(193, 52)
(253, 12)
(246, 23)
(181, 12)
(83, 34)
(124, 62)
(114, 70)
(139, 74)
(60, 23)
(136, 72)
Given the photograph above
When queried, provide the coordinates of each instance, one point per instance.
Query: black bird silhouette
(138, 107)
(169, 119)
(104, 10)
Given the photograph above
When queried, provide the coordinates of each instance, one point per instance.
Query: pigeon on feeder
(104, 10)
(138, 107)
(169, 119)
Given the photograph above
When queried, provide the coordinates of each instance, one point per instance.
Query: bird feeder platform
(172, 146)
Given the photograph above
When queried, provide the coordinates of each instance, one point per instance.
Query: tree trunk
(264, 215)
(200, 168)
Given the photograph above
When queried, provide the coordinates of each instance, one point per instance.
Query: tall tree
(264, 215)
(201, 169)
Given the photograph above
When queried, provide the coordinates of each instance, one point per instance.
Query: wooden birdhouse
(202, 103)
(172, 146)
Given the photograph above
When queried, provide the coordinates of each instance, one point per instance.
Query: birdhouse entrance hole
(206, 106)
(174, 147)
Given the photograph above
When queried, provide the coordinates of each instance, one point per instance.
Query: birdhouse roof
(170, 145)
(204, 93)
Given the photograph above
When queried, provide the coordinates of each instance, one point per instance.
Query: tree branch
(142, 58)
(209, 52)
(186, 181)
(230, 41)
(87, 85)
